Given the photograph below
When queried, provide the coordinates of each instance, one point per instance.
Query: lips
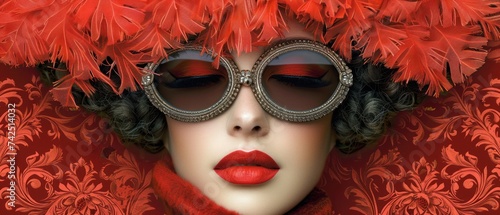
(247, 168)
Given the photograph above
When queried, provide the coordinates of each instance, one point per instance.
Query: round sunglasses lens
(300, 80)
(188, 80)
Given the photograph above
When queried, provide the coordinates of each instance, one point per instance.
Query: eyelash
(194, 81)
(300, 81)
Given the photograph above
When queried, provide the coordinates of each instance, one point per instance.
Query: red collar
(183, 198)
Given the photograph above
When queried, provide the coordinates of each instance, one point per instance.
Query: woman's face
(248, 161)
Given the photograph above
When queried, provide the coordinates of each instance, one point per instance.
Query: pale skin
(300, 149)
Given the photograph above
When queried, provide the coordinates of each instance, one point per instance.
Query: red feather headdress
(422, 39)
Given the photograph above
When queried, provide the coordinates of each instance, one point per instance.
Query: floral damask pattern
(442, 158)
(67, 162)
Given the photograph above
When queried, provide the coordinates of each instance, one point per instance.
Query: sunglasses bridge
(245, 77)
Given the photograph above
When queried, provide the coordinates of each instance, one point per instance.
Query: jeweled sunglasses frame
(252, 78)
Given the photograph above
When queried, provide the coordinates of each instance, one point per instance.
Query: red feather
(212, 12)
(63, 88)
(19, 32)
(348, 30)
(110, 20)
(345, 32)
(448, 12)
(333, 10)
(428, 12)
(235, 32)
(317, 29)
(293, 5)
(494, 52)
(397, 10)
(62, 92)
(240, 17)
(422, 38)
(71, 46)
(269, 20)
(313, 8)
(464, 52)
(465, 11)
(491, 26)
(126, 65)
(175, 17)
(418, 60)
(155, 41)
(362, 9)
(381, 41)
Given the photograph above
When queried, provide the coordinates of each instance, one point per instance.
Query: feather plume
(428, 13)
(62, 91)
(313, 9)
(233, 31)
(63, 87)
(175, 17)
(333, 10)
(293, 5)
(125, 63)
(465, 11)
(421, 39)
(154, 40)
(269, 20)
(417, 59)
(236, 29)
(464, 52)
(19, 32)
(381, 41)
(491, 26)
(345, 33)
(109, 20)
(399, 11)
(494, 52)
(69, 45)
(362, 9)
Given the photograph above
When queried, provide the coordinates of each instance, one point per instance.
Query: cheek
(303, 148)
(192, 147)
(308, 144)
(306, 136)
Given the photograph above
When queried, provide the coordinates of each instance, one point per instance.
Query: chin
(260, 207)
(267, 198)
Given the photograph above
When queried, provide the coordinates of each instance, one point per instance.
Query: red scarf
(183, 198)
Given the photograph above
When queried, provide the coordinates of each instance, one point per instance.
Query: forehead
(296, 30)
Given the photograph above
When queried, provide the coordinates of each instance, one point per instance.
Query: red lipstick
(248, 168)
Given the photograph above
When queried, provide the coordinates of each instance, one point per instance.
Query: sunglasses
(295, 80)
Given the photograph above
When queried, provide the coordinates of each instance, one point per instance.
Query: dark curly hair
(371, 103)
(360, 120)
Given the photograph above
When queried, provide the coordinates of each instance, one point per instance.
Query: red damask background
(442, 158)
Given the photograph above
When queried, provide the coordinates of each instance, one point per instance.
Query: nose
(246, 116)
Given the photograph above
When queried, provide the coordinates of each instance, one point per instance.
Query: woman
(251, 137)
(248, 159)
